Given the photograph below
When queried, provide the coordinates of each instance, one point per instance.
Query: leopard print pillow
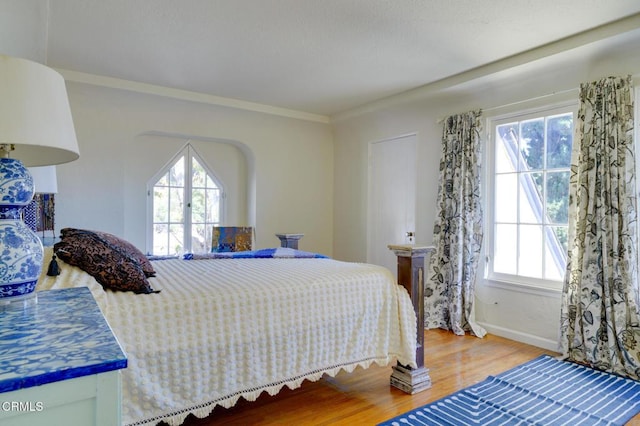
(124, 245)
(109, 265)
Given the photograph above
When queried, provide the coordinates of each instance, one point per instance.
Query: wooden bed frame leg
(411, 265)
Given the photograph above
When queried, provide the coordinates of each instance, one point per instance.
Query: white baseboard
(518, 336)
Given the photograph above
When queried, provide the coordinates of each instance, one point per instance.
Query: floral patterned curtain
(449, 289)
(599, 317)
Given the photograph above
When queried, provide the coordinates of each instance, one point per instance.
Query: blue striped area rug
(544, 391)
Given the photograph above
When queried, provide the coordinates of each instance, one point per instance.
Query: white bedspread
(224, 329)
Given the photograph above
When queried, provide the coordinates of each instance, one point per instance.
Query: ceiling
(315, 56)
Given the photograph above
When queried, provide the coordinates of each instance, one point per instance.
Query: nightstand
(59, 362)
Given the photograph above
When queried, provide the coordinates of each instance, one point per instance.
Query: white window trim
(505, 281)
(188, 151)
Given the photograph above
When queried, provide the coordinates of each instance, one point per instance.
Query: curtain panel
(458, 233)
(599, 312)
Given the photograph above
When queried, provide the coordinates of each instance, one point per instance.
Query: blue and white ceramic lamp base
(21, 252)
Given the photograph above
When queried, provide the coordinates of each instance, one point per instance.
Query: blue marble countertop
(60, 336)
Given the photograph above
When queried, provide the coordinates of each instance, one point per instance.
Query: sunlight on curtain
(599, 318)
(450, 284)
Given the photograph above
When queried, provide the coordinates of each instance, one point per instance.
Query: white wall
(126, 137)
(23, 27)
(286, 162)
(529, 315)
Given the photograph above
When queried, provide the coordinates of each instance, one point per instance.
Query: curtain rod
(634, 78)
(559, 92)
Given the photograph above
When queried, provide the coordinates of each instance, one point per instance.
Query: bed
(217, 330)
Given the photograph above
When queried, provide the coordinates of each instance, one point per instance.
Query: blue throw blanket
(268, 253)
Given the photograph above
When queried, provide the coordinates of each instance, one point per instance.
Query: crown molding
(185, 95)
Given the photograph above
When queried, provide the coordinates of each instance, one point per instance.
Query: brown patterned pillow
(109, 265)
(124, 245)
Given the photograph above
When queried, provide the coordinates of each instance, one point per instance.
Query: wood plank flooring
(364, 397)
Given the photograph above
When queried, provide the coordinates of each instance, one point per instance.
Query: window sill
(539, 289)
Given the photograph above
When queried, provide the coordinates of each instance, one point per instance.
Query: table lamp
(36, 129)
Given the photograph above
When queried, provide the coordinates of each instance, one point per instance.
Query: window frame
(188, 152)
(490, 276)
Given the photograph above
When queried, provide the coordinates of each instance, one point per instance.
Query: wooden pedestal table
(411, 271)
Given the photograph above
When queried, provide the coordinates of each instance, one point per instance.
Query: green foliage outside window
(532, 160)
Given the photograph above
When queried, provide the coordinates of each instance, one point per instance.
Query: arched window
(186, 200)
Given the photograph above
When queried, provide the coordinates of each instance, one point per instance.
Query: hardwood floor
(364, 397)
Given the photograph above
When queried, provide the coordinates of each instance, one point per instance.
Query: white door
(392, 198)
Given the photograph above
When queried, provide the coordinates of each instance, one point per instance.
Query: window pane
(176, 173)
(160, 239)
(530, 259)
(198, 206)
(176, 239)
(505, 249)
(199, 241)
(208, 238)
(532, 144)
(176, 212)
(164, 180)
(552, 269)
(198, 175)
(556, 255)
(558, 197)
(160, 204)
(562, 237)
(211, 183)
(506, 148)
(531, 197)
(506, 209)
(213, 206)
(559, 140)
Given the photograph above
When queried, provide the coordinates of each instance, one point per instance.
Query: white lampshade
(35, 113)
(45, 180)
(36, 129)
